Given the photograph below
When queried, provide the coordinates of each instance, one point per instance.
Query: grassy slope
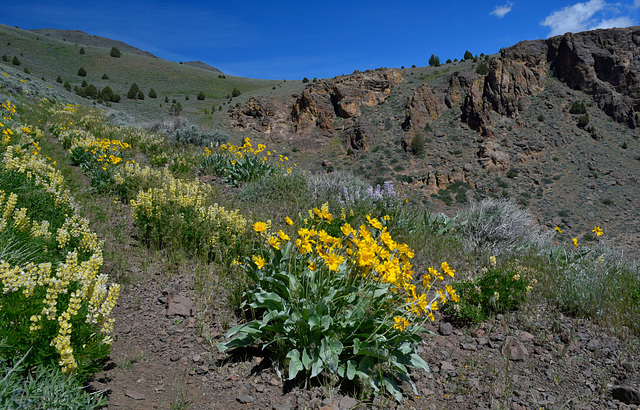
(48, 57)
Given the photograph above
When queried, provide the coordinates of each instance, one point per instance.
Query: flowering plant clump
(178, 211)
(342, 305)
(55, 303)
(239, 164)
(496, 290)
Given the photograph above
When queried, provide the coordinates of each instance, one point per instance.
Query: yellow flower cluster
(55, 282)
(371, 251)
(44, 174)
(21, 221)
(239, 151)
(142, 177)
(8, 111)
(41, 284)
(221, 222)
(172, 197)
(183, 193)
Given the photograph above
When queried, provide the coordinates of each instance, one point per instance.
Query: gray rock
(526, 337)
(445, 329)
(180, 306)
(348, 403)
(282, 406)
(446, 366)
(626, 394)
(593, 345)
(135, 395)
(244, 398)
(514, 349)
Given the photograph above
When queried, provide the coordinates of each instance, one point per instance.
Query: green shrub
(200, 96)
(278, 188)
(578, 107)
(105, 77)
(330, 312)
(67, 86)
(191, 134)
(497, 290)
(15, 60)
(82, 72)
(241, 164)
(115, 53)
(235, 92)
(132, 94)
(583, 121)
(152, 93)
(541, 118)
(305, 80)
(434, 61)
(482, 69)
(500, 227)
(26, 70)
(82, 50)
(44, 387)
(417, 145)
(5, 58)
(468, 55)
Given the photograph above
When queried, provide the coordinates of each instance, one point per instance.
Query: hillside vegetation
(241, 277)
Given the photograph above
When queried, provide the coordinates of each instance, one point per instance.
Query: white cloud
(616, 22)
(586, 16)
(501, 11)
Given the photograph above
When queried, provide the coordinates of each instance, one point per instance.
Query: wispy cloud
(586, 16)
(501, 11)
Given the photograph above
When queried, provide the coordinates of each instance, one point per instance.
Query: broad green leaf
(241, 340)
(306, 360)
(295, 365)
(392, 388)
(249, 327)
(317, 364)
(327, 321)
(341, 370)
(330, 350)
(418, 362)
(314, 321)
(351, 369)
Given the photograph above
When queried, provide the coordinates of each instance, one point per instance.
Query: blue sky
(295, 39)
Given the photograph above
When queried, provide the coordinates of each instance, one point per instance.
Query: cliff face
(308, 118)
(602, 63)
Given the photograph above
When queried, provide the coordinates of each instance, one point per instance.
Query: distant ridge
(204, 66)
(80, 37)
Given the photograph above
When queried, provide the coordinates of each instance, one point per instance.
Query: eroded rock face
(358, 136)
(601, 63)
(422, 109)
(266, 116)
(321, 103)
(306, 120)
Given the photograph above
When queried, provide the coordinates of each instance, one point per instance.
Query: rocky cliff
(602, 63)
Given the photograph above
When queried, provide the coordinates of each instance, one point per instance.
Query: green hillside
(49, 57)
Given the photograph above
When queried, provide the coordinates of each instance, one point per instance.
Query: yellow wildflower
(259, 261)
(259, 226)
(401, 323)
(558, 229)
(598, 231)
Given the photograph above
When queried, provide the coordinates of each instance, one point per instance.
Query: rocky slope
(506, 133)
